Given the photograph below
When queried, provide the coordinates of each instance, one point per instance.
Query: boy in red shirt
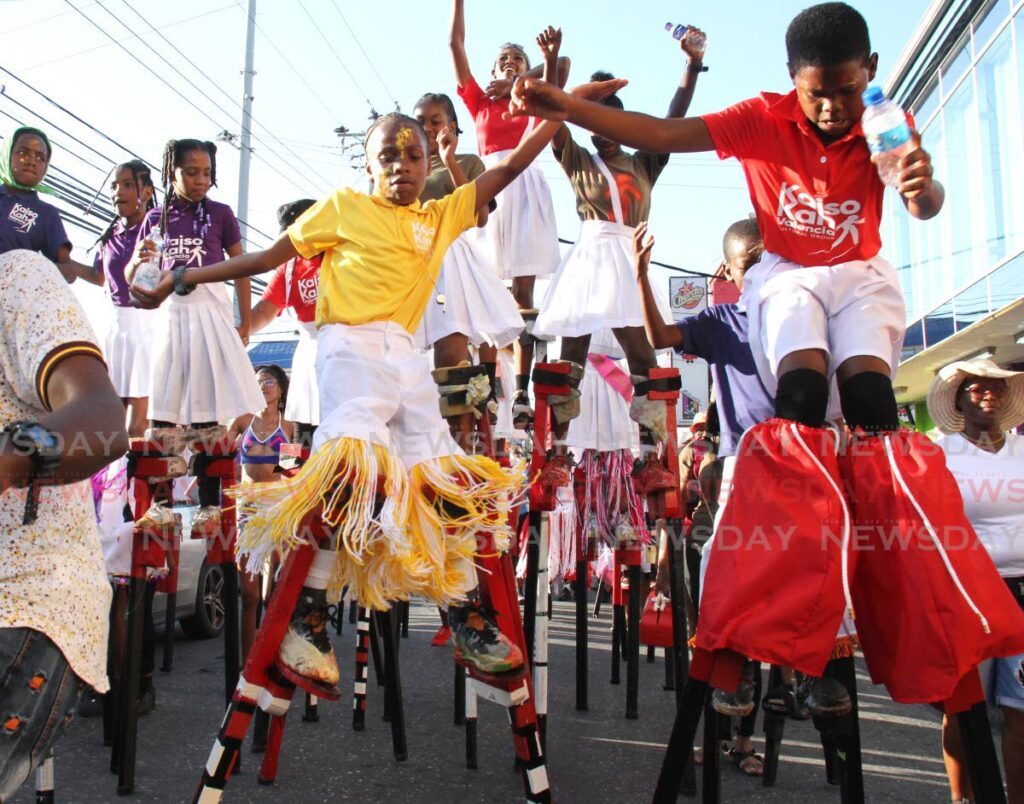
(880, 525)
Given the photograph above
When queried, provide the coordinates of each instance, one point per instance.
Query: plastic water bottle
(887, 132)
(147, 275)
(697, 41)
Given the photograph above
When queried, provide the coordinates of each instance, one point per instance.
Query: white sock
(321, 570)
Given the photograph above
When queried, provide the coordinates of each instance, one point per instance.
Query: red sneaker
(442, 637)
(555, 473)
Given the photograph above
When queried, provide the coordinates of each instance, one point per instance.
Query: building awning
(273, 353)
(996, 333)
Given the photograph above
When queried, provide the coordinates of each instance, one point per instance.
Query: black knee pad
(869, 402)
(802, 396)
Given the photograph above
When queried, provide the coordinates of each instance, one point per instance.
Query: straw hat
(942, 394)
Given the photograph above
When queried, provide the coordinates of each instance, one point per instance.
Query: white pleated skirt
(603, 424)
(303, 404)
(521, 233)
(201, 372)
(595, 286)
(470, 299)
(129, 350)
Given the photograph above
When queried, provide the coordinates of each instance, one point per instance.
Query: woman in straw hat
(975, 403)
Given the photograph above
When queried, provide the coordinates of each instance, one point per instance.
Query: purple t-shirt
(719, 334)
(197, 234)
(114, 257)
(26, 221)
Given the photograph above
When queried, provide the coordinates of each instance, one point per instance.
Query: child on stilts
(417, 533)
(822, 302)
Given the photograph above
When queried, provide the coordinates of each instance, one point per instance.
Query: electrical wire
(330, 47)
(219, 88)
(366, 55)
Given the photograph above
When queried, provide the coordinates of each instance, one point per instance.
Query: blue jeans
(38, 693)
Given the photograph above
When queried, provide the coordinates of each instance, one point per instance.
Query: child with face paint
(379, 411)
(521, 234)
(470, 305)
(594, 288)
(202, 375)
(822, 302)
(26, 221)
(129, 344)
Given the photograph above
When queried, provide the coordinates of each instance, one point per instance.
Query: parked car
(198, 605)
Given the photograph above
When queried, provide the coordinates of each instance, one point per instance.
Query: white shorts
(847, 310)
(375, 385)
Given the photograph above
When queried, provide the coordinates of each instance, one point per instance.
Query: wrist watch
(696, 67)
(179, 282)
(42, 445)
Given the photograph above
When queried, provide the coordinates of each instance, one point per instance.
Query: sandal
(749, 762)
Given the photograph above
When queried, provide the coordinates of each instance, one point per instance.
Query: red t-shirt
(301, 294)
(493, 132)
(816, 204)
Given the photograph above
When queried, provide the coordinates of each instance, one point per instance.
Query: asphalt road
(593, 756)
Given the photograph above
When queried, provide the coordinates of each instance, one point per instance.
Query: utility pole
(245, 152)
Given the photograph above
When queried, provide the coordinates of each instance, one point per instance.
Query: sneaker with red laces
(653, 477)
(556, 472)
(442, 637)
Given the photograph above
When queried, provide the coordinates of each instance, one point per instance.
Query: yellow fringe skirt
(417, 536)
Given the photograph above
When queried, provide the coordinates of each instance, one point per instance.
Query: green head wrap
(7, 175)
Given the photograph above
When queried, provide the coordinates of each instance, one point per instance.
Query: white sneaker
(650, 414)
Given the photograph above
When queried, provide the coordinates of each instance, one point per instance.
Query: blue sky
(322, 63)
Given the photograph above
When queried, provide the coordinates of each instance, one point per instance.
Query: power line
(655, 262)
(369, 61)
(214, 83)
(330, 47)
(88, 125)
(175, 90)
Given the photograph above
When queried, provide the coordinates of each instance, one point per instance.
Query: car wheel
(208, 620)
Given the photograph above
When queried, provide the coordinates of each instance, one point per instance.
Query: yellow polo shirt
(381, 260)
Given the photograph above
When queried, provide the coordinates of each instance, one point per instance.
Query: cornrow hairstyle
(174, 157)
(445, 102)
(143, 177)
(511, 46)
(288, 213)
(826, 35)
(395, 117)
(278, 374)
(612, 100)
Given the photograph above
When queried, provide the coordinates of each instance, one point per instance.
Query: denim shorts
(38, 693)
(1003, 679)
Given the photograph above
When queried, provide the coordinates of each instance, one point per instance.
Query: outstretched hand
(642, 245)
(151, 299)
(532, 97)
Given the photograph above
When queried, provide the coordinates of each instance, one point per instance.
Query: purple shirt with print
(197, 234)
(113, 257)
(26, 221)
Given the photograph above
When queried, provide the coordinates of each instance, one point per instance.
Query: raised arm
(240, 267)
(550, 42)
(636, 130)
(660, 334)
(684, 92)
(457, 43)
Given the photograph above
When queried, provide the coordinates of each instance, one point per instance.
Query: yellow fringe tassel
(454, 500)
(408, 544)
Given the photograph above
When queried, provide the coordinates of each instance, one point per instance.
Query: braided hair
(393, 117)
(174, 157)
(278, 374)
(445, 103)
(142, 177)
